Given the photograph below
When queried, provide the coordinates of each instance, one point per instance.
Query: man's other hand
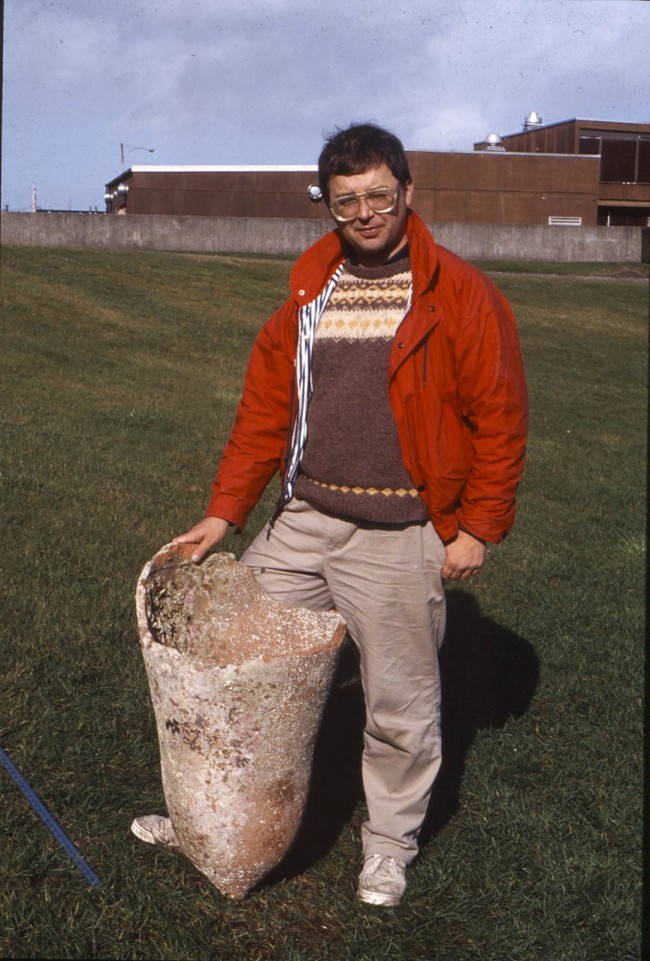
(464, 557)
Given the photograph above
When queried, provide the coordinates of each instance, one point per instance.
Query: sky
(263, 81)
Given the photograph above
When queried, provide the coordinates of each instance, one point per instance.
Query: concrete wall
(275, 236)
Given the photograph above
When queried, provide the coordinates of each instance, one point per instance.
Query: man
(389, 392)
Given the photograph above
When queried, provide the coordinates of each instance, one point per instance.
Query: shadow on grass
(489, 674)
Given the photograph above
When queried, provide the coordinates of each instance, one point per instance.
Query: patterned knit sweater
(352, 464)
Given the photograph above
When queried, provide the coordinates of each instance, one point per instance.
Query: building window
(618, 161)
(625, 157)
(589, 145)
(623, 216)
(644, 161)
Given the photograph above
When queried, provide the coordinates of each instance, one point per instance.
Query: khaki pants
(385, 582)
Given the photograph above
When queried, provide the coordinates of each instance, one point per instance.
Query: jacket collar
(316, 265)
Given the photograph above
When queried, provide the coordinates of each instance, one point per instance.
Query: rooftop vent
(494, 142)
(532, 121)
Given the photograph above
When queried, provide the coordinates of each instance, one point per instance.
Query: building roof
(583, 121)
(212, 168)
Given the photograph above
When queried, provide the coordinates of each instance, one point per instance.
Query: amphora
(238, 684)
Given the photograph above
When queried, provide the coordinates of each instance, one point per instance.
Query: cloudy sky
(260, 81)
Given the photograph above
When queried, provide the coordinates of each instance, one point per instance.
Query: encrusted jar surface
(238, 685)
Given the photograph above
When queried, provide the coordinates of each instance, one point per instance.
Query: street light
(130, 150)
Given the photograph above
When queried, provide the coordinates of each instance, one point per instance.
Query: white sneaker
(155, 829)
(382, 881)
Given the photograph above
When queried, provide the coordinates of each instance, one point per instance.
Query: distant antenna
(33, 198)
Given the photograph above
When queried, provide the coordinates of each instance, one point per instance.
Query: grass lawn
(120, 374)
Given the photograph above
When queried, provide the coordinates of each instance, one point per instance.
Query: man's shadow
(489, 674)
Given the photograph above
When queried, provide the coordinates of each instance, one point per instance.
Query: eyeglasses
(381, 200)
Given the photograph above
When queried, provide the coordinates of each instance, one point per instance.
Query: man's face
(373, 237)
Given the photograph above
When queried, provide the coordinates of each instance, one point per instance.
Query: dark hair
(361, 147)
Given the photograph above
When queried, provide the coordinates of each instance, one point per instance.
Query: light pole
(130, 150)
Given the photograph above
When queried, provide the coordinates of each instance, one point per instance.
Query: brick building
(574, 172)
(623, 152)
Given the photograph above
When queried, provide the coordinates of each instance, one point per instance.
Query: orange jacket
(456, 386)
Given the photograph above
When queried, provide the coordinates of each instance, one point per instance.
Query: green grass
(121, 372)
(594, 269)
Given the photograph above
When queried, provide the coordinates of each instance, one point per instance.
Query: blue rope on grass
(52, 825)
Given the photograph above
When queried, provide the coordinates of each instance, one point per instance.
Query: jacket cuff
(461, 527)
(227, 509)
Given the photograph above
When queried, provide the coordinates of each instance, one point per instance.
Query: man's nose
(365, 210)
